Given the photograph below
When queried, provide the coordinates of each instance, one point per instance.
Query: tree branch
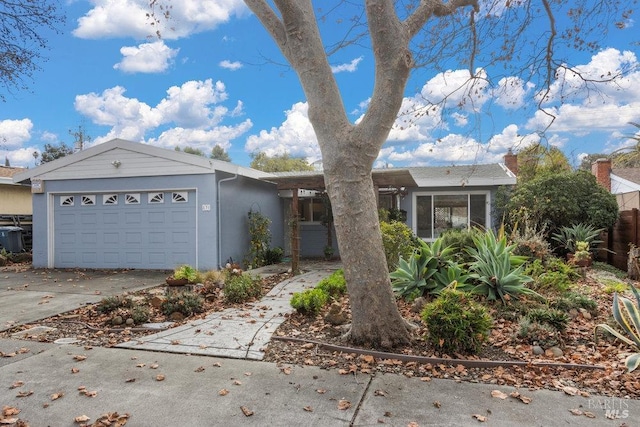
(269, 20)
(428, 8)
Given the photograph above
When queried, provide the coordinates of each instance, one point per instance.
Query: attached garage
(122, 204)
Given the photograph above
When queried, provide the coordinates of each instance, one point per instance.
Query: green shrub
(554, 281)
(611, 286)
(456, 323)
(112, 303)
(140, 314)
(241, 288)
(537, 333)
(187, 303)
(556, 319)
(334, 285)
(574, 300)
(310, 301)
(459, 240)
(568, 236)
(273, 256)
(398, 241)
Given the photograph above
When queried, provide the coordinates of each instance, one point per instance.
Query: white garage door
(146, 230)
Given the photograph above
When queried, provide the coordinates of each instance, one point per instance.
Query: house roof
(630, 174)
(7, 173)
(190, 162)
(427, 176)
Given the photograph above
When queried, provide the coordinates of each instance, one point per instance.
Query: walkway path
(239, 333)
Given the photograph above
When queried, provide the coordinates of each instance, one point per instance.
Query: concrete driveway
(28, 294)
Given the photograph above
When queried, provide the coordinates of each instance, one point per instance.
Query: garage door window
(109, 199)
(89, 200)
(132, 199)
(179, 197)
(156, 197)
(66, 201)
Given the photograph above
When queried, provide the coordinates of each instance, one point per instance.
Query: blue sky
(216, 78)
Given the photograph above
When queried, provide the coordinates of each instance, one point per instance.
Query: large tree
(22, 43)
(457, 31)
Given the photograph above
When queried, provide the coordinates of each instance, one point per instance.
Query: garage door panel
(119, 235)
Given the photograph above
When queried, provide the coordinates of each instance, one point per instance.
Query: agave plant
(416, 277)
(496, 270)
(567, 237)
(628, 318)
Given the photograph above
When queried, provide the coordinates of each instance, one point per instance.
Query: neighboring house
(623, 182)
(15, 204)
(123, 204)
(15, 199)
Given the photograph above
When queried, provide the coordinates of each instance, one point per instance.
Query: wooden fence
(625, 232)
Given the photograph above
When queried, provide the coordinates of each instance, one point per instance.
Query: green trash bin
(11, 239)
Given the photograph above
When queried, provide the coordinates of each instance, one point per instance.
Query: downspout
(219, 242)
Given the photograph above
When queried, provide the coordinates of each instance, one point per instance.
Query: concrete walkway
(239, 333)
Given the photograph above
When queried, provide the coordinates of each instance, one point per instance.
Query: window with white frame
(88, 200)
(132, 199)
(179, 197)
(438, 212)
(156, 198)
(109, 199)
(67, 200)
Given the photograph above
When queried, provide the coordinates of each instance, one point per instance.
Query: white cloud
(458, 89)
(194, 108)
(146, 58)
(13, 133)
(128, 18)
(349, 66)
(295, 136)
(229, 65)
(512, 92)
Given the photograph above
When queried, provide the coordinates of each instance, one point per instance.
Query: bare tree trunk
(376, 320)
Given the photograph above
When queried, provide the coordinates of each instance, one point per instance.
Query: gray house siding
(238, 196)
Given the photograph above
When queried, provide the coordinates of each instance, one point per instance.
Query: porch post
(295, 234)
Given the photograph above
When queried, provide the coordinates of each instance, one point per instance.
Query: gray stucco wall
(239, 195)
(203, 184)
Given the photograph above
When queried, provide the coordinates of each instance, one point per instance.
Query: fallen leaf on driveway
(75, 370)
(523, 399)
(308, 408)
(56, 396)
(17, 384)
(498, 394)
(24, 393)
(223, 392)
(8, 411)
(576, 412)
(343, 404)
(246, 411)
(81, 419)
(480, 418)
(159, 377)
(79, 357)
(199, 369)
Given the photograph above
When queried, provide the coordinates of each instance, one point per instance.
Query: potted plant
(582, 255)
(183, 275)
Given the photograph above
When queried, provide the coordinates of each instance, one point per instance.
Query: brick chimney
(601, 168)
(511, 161)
